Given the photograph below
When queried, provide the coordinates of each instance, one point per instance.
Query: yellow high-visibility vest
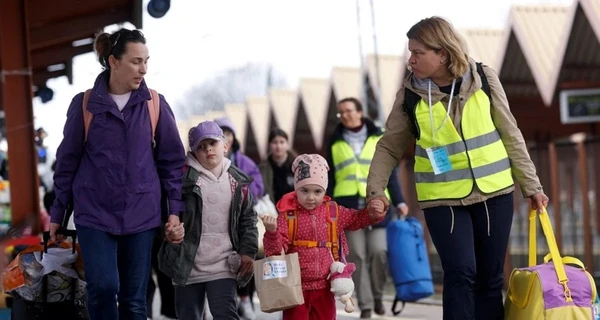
(478, 157)
(351, 172)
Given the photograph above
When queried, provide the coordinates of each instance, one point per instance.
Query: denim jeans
(116, 270)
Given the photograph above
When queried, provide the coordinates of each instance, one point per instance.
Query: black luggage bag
(72, 309)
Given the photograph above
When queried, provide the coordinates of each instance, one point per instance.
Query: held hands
(539, 201)
(174, 231)
(376, 209)
(270, 222)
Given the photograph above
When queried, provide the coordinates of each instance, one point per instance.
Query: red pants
(318, 305)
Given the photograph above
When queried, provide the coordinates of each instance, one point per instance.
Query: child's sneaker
(247, 310)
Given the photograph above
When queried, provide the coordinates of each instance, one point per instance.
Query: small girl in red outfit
(308, 201)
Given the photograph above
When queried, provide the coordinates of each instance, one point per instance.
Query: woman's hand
(376, 209)
(53, 230)
(403, 209)
(539, 201)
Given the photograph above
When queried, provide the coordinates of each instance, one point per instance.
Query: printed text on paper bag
(274, 269)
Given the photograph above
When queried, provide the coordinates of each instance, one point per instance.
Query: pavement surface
(426, 309)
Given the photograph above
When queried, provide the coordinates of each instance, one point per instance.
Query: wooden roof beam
(57, 54)
(77, 28)
(40, 13)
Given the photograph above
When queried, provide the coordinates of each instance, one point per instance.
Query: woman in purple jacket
(115, 179)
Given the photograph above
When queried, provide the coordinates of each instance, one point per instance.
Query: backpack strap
(292, 227)
(332, 228)
(244, 193)
(485, 85)
(87, 116)
(409, 105)
(154, 112)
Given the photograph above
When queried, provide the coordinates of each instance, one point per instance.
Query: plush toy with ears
(342, 285)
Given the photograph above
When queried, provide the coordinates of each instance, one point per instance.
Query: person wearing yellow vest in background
(468, 146)
(349, 154)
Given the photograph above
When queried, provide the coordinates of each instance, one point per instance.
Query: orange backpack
(153, 110)
(333, 243)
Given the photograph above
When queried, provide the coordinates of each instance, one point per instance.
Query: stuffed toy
(235, 261)
(342, 285)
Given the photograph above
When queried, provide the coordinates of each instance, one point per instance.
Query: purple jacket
(247, 166)
(114, 180)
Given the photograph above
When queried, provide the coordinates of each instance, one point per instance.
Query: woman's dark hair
(114, 44)
(357, 103)
(276, 132)
(235, 147)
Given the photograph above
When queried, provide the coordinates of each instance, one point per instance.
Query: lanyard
(433, 130)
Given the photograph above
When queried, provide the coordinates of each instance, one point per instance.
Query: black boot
(365, 314)
(379, 309)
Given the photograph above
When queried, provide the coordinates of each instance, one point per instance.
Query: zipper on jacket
(314, 223)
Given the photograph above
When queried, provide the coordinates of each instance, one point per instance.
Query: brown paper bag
(278, 282)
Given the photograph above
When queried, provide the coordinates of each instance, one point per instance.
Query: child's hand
(247, 265)
(270, 222)
(376, 209)
(174, 231)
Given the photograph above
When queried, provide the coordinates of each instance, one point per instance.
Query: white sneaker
(247, 310)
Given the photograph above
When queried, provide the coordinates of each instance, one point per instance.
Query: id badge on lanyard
(439, 160)
(438, 156)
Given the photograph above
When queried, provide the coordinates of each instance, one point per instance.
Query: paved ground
(413, 311)
(429, 309)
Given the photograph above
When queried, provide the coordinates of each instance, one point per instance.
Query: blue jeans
(116, 269)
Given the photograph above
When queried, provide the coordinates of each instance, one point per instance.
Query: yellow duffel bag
(558, 289)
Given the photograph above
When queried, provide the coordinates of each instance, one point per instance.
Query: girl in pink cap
(310, 208)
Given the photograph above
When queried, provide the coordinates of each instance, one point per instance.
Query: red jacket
(314, 262)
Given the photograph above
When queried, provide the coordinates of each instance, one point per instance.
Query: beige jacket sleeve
(522, 166)
(389, 149)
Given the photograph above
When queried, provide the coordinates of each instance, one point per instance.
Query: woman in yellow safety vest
(468, 146)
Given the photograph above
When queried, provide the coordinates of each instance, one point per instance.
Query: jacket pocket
(145, 180)
(103, 131)
(87, 177)
(169, 258)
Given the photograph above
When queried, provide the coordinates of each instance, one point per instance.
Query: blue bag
(597, 308)
(408, 261)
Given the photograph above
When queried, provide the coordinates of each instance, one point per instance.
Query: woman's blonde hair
(436, 33)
